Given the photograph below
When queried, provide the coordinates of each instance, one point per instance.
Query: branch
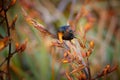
(105, 72)
(9, 53)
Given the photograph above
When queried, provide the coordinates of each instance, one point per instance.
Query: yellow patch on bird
(60, 35)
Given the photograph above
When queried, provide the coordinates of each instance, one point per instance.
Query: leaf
(12, 25)
(3, 43)
(91, 44)
(17, 45)
(65, 61)
(12, 2)
(108, 69)
(37, 25)
(88, 26)
(22, 47)
(77, 69)
(67, 75)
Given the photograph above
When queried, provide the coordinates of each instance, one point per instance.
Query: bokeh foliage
(37, 62)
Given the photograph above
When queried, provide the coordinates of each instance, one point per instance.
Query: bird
(65, 33)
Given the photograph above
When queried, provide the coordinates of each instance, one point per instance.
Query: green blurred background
(36, 62)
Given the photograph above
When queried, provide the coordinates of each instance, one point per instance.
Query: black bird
(65, 33)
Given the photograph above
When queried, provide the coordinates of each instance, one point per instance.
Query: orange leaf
(23, 46)
(4, 43)
(17, 46)
(12, 2)
(91, 44)
(88, 53)
(88, 26)
(65, 54)
(13, 22)
(77, 69)
(65, 61)
(68, 77)
(83, 54)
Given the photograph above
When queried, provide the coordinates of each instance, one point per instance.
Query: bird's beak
(60, 35)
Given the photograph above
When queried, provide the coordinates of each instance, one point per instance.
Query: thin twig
(8, 32)
(101, 74)
(6, 59)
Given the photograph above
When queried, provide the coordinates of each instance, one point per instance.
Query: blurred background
(36, 62)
